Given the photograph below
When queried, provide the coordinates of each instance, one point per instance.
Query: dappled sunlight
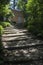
(31, 53)
(21, 32)
(23, 44)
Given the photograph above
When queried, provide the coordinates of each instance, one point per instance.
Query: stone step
(13, 39)
(18, 47)
(21, 42)
(16, 39)
(14, 43)
(9, 36)
(13, 35)
(17, 43)
(24, 54)
(14, 32)
(7, 30)
(11, 31)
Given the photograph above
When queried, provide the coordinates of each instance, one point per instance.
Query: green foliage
(1, 45)
(3, 3)
(22, 6)
(5, 24)
(33, 16)
(4, 8)
(1, 29)
(35, 19)
(1, 32)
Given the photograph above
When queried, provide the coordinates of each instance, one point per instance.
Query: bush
(35, 18)
(1, 45)
(1, 29)
(5, 24)
(36, 28)
(33, 29)
(26, 24)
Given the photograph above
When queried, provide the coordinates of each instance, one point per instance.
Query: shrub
(1, 45)
(5, 24)
(35, 18)
(1, 29)
(36, 28)
(33, 30)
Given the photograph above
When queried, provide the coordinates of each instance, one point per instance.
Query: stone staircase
(20, 46)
